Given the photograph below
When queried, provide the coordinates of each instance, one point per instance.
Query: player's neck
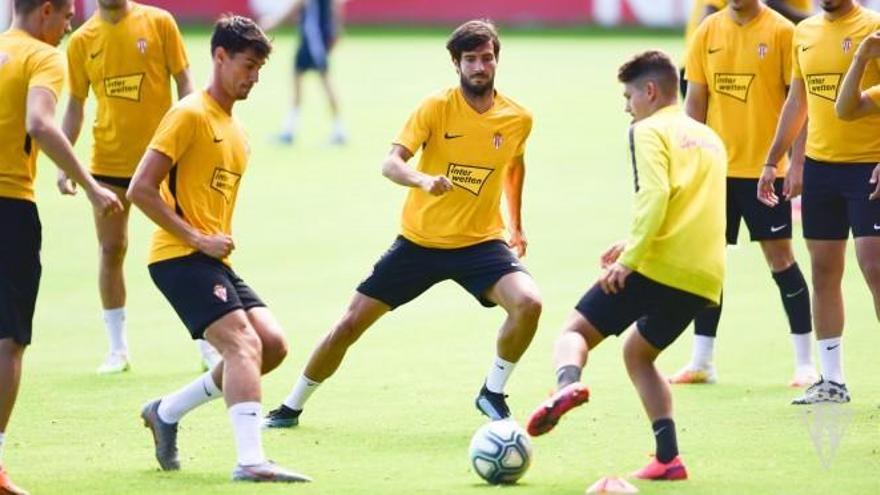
(29, 25)
(744, 16)
(114, 15)
(845, 8)
(221, 97)
(480, 103)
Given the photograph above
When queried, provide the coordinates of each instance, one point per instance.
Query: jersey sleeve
(48, 72)
(78, 79)
(521, 149)
(175, 133)
(694, 70)
(175, 51)
(417, 129)
(650, 159)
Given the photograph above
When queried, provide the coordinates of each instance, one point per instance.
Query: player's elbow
(843, 111)
(388, 167)
(37, 126)
(136, 193)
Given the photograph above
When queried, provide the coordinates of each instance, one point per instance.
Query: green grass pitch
(398, 416)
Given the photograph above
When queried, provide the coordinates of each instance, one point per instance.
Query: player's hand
(875, 179)
(766, 193)
(436, 186)
(794, 182)
(611, 254)
(869, 47)
(518, 243)
(215, 245)
(65, 185)
(614, 278)
(105, 201)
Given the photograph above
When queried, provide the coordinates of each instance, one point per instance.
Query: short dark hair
(470, 35)
(651, 64)
(23, 7)
(237, 33)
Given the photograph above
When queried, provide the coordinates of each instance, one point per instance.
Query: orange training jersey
(25, 63)
(128, 66)
(210, 152)
(747, 70)
(822, 53)
(473, 150)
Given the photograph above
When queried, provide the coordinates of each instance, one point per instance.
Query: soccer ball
(501, 452)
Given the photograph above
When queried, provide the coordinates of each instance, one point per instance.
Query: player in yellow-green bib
(472, 141)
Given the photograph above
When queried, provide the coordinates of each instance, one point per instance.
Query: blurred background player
(31, 80)
(738, 70)
(452, 227)
(839, 168)
(320, 24)
(670, 268)
(126, 53)
(204, 148)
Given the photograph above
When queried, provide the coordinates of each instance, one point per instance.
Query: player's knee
(346, 331)
(242, 343)
(113, 250)
(871, 271)
(528, 307)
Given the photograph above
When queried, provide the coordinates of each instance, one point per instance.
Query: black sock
(706, 322)
(796, 298)
(664, 436)
(566, 375)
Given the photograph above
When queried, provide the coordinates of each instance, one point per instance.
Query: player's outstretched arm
(396, 170)
(792, 120)
(184, 82)
(71, 125)
(40, 124)
(696, 102)
(143, 192)
(852, 103)
(513, 187)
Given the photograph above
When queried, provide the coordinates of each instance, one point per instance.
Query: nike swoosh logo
(777, 229)
(805, 48)
(500, 367)
(793, 294)
(876, 227)
(659, 430)
(216, 140)
(94, 55)
(248, 414)
(714, 50)
(452, 136)
(832, 347)
(205, 388)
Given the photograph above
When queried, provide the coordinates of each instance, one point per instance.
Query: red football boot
(547, 414)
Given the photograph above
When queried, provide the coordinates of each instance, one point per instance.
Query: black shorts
(202, 289)
(313, 53)
(835, 201)
(407, 270)
(661, 312)
(20, 268)
(764, 222)
(121, 182)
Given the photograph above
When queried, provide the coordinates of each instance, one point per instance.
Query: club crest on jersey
(497, 140)
(220, 292)
(762, 50)
(847, 45)
(142, 46)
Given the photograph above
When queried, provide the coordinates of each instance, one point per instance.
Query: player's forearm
(792, 120)
(798, 149)
(146, 197)
(397, 171)
(513, 188)
(53, 143)
(850, 98)
(184, 83)
(73, 119)
(651, 208)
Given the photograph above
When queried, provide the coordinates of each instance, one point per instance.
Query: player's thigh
(868, 256)
(268, 329)
(404, 272)
(233, 333)
(484, 270)
(578, 323)
(824, 212)
(672, 310)
(827, 260)
(611, 314)
(112, 230)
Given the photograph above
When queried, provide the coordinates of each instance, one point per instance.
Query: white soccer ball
(501, 452)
